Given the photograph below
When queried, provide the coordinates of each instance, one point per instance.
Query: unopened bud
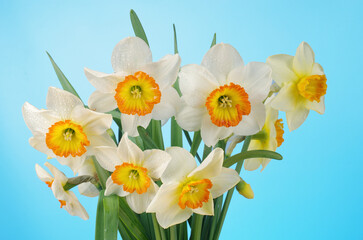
(245, 189)
(232, 142)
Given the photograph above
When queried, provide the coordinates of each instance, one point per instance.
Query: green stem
(156, 227)
(217, 211)
(187, 136)
(196, 227)
(230, 192)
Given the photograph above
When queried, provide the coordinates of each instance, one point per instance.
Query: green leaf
(62, 79)
(195, 144)
(110, 206)
(175, 41)
(251, 154)
(124, 232)
(101, 173)
(131, 221)
(176, 134)
(157, 134)
(214, 40)
(148, 142)
(99, 230)
(136, 25)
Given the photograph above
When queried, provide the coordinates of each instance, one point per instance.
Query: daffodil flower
(67, 199)
(303, 84)
(187, 188)
(269, 138)
(222, 96)
(134, 172)
(66, 130)
(141, 89)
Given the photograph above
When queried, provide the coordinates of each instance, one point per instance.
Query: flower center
(227, 104)
(137, 94)
(66, 138)
(312, 87)
(132, 178)
(279, 126)
(194, 193)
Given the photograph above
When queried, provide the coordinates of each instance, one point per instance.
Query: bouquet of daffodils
(147, 191)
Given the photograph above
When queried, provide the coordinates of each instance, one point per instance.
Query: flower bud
(232, 142)
(245, 189)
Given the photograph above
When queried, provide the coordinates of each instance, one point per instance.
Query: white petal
(56, 173)
(195, 80)
(100, 140)
(73, 163)
(252, 164)
(156, 162)
(253, 122)
(220, 60)
(42, 174)
(168, 104)
(255, 78)
(130, 54)
(211, 165)
(211, 133)
(296, 117)
(165, 205)
(139, 202)
(304, 60)
(107, 157)
(62, 102)
(74, 207)
(190, 118)
(164, 71)
(287, 99)
(131, 122)
(317, 69)
(264, 163)
(181, 164)
(112, 188)
(129, 151)
(103, 82)
(88, 189)
(207, 207)
(38, 142)
(38, 121)
(226, 180)
(282, 70)
(93, 123)
(102, 102)
(318, 107)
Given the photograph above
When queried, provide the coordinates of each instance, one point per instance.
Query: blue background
(314, 193)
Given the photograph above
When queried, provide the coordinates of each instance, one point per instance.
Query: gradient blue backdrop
(314, 193)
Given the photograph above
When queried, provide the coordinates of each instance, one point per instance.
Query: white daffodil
(134, 172)
(222, 96)
(269, 138)
(66, 130)
(187, 188)
(302, 82)
(141, 89)
(67, 199)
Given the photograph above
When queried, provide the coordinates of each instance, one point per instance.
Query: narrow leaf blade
(110, 205)
(251, 154)
(136, 25)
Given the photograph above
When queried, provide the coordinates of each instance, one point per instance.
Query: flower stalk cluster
(147, 190)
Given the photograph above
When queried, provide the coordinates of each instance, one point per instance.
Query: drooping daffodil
(303, 84)
(67, 199)
(66, 130)
(189, 189)
(141, 89)
(134, 172)
(222, 96)
(269, 138)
